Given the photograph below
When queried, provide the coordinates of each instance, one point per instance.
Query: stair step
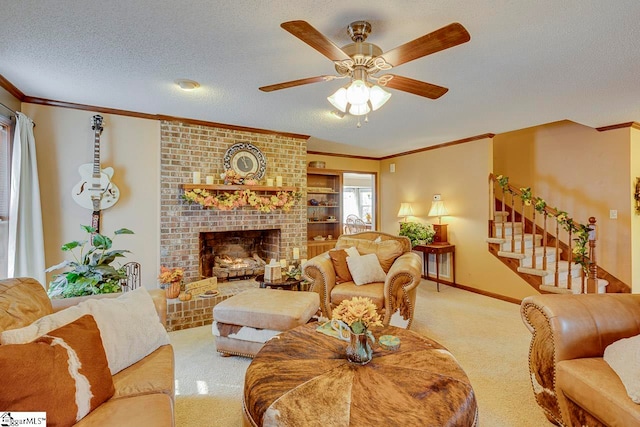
(526, 257)
(528, 242)
(500, 217)
(508, 229)
(602, 285)
(548, 275)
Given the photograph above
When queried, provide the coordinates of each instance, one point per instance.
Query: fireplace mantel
(223, 187)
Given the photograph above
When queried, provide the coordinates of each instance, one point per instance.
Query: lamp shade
(378, 97)
(438, 209)
(339, 99)
(405, 210)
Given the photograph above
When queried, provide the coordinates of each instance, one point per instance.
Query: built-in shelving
(325, 187)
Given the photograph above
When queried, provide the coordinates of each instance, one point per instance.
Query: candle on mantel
(303, 261)
(209, 180)
(283, 263)
(278, 181)
(196, 177)
(269, 182)
(296, 253)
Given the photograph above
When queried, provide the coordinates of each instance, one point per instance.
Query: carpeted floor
(486, 336)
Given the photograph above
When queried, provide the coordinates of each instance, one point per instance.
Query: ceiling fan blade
(294, 83)
(444, 38)
(305, 32)
(416, 87)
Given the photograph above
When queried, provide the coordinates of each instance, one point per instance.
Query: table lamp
(405, 211)
(438, 209)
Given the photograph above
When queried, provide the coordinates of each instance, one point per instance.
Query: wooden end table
(302, 378)
(437, 250)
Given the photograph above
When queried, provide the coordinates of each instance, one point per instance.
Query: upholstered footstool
(244, 322)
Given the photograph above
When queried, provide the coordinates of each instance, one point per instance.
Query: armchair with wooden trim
(397, 292)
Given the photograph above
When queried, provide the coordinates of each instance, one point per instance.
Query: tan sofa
(403, 270)
(144, 392)
(572, 382)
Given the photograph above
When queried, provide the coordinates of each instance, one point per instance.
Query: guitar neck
(96, 155)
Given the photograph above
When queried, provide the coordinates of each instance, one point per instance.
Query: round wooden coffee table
(302, 378)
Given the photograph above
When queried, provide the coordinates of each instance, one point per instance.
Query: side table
(438, 250)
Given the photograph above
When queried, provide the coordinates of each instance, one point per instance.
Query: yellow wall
(635, 216)
(9, 100)
(459, 173)
(578, 170)
(64, 141)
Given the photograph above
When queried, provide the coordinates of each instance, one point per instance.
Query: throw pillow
(64, 373)
(366, 269)
(624, 358)
(387, 251)
(129, 327)
(339, 260)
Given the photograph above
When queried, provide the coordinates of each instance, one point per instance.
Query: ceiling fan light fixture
(378, 97)
(359, 110)
(358, 92)
(339, 99)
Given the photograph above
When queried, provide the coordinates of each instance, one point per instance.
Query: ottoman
(244, 322)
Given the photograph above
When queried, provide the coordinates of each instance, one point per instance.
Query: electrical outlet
(392, 167)
(436, 197)
(613, 214)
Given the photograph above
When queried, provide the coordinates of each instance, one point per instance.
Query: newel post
(592, 279)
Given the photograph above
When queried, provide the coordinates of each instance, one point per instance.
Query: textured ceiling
(527, 63)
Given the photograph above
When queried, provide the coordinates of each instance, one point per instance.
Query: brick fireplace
(186, 148)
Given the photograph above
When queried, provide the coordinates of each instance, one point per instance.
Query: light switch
(613, 214)
(392, 167)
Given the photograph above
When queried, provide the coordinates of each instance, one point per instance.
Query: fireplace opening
(237, 255)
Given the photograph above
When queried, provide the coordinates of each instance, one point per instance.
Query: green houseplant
(419, 234)
(90, 272)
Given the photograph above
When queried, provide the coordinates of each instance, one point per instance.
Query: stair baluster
(523, 228)
(570, 262)
(513, 223)
(592, 280)
(557, 252)
(544, 242)
(533, 239)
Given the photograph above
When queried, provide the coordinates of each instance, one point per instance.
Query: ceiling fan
(361, 62)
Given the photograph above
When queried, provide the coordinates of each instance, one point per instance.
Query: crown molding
(9, 87)
(443, 145)
(634, 125)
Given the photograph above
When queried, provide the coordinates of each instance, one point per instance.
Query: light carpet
(486, 336)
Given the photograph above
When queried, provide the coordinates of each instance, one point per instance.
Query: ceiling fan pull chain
(359, 125)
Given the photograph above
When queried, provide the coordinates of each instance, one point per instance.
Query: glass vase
(358, 350)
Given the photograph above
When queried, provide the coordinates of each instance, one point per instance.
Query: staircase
(549, 273)
(543, 245)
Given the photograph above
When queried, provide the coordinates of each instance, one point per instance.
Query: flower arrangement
(231, 177)
(170, 275)
(358, 313)
(227, 201)
(418, 233)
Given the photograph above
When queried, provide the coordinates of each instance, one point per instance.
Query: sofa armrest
(402, 279)
(573, 326)
(323, 276)
(160, 301)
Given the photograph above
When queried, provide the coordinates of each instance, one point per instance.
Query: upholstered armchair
(394, 290)
(576, 339)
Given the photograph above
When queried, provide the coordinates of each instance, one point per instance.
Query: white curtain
(26, 238)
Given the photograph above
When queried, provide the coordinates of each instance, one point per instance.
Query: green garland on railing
(579, 231)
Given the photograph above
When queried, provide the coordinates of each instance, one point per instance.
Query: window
(358, 195)
(5, 182)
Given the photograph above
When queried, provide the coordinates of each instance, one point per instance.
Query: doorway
(359, 199)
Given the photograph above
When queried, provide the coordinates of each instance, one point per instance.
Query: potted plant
(91, 271)
(419, 234)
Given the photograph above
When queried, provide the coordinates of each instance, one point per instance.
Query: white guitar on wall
(95, 190)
